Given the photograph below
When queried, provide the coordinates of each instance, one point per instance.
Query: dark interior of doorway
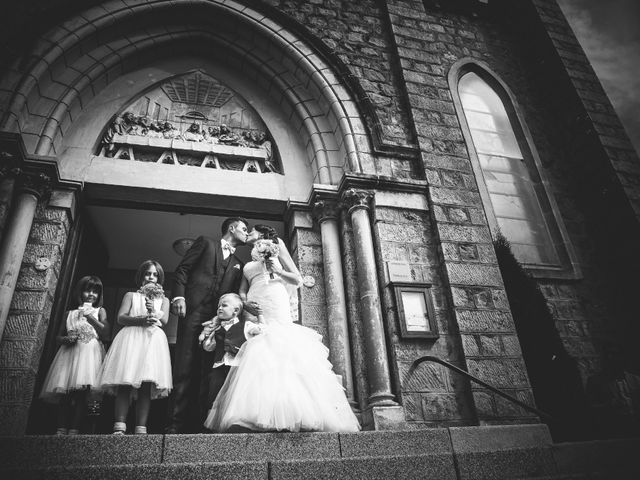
(111, 242)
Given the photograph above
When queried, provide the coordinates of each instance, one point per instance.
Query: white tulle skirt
(284, 382)
(138, 354)
(75, 367)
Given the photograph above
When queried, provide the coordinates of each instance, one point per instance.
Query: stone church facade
(402, 137)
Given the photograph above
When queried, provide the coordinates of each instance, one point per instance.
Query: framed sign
(415, 310)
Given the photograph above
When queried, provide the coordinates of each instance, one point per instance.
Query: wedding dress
(283, 380)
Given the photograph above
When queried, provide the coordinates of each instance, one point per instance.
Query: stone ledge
(195, 471)
(499, 437)
(80, 450)
(423, 467)
(398, 443)
(507, 464)
(603, 455)
(249, 447)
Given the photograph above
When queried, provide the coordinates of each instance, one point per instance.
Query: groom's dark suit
(201, 278)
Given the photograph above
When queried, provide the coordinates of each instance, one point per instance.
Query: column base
(384, 418)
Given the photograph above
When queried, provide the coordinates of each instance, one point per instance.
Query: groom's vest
(228, 340)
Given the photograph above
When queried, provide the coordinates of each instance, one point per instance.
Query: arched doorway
(102, 63)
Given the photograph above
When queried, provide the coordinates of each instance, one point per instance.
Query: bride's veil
(287, 263)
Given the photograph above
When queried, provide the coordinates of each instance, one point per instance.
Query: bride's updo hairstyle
(268, 233)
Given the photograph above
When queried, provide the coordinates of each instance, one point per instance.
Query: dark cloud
(609, 32)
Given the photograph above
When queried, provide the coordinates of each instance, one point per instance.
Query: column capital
(355, 198)
(9, 165)
(326, 209)
(36, 183)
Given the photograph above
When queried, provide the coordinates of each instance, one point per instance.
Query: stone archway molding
(40, 106)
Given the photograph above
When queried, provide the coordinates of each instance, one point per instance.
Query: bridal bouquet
(264, 249)
(151, 291)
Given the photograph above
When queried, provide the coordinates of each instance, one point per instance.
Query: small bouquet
(71, 338)
(151, 291)
(83, 333)
(264, 249)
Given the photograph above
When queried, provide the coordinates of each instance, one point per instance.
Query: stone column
(30, 188)
(358, 358)
(8, 172)
(326, 212)
(374, 337)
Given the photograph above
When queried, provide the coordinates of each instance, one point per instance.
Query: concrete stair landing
(499, 452)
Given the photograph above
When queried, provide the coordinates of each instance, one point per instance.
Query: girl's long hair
(142, 269)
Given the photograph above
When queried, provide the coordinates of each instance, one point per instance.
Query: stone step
(427, 467)
(620, 455)
(456, 453)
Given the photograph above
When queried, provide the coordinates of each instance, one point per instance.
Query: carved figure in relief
(227, 136)
(261, 140)
(121, 125)
(193, 133)
(169, 131)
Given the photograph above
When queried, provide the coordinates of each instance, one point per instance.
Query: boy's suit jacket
(203, 275)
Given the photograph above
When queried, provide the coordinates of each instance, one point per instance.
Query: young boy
(224, 335)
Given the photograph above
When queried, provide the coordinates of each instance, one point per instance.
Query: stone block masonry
(431, 395)
(358, 33)
(308, 255)
(29, 317)
(429, 42)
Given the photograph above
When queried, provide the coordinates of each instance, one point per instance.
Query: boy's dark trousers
(215, 378)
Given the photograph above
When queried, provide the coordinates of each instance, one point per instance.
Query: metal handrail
(430, 358)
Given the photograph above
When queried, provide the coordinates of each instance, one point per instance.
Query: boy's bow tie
(227, 323)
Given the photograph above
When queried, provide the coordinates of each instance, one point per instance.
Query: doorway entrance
(114, 241)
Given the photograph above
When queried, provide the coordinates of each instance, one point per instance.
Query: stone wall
(358, 34)
(600, 193)
(432, 394)
(28, 320)
(307, 253)
(429, 43)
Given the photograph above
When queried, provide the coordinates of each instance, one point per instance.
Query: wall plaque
(399, 272)
(415, 310)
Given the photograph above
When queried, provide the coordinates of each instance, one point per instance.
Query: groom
(208, 270)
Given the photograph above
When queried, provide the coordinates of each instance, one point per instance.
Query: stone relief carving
(132, 137)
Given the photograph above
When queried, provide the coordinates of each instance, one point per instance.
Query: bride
(283, 380)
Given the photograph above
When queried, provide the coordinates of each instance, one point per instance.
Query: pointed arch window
(506, 165)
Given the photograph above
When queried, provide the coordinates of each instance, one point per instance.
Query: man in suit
(208, 270)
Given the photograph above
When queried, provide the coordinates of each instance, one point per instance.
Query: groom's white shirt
(227, 248)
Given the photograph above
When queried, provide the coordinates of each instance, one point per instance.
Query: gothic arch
(80, 58)
(567, 266)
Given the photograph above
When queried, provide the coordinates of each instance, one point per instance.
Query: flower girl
(76, 367)
(137, 365)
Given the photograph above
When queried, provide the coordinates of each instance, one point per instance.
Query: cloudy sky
(609, 32)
